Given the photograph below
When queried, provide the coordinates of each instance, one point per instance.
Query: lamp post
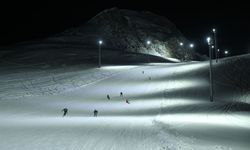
(100, 53)
(215, 43)
(210, 68)
(148, 43)
(218, 54)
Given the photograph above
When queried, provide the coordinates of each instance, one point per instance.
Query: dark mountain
(128, 30)
(124, 32)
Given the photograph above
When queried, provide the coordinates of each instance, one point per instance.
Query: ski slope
(169, 110)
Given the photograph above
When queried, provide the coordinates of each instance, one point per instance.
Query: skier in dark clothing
(108, 97)
(95, 113)
(121, 94)
(127, 101)
(65, 111)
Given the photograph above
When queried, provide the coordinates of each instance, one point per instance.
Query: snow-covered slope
(169, 108)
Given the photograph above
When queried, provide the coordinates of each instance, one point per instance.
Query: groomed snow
(169, 110)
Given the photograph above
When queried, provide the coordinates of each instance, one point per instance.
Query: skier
(65, 111)
(127, 101)
(95, 113)
(142, 72)
(121, 94)
(108, 97)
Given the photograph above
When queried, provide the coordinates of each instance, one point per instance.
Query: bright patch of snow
(168, 109)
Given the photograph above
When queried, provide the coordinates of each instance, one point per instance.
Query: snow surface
(169, 110)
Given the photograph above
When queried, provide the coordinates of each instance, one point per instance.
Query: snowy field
(169, 109)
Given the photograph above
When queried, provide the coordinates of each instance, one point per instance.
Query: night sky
(35, 20)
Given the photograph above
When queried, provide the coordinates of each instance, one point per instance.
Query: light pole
(148, 43)
(215, 43)
(184, 51)
(210, 68)
(218, 54)
(100, 54)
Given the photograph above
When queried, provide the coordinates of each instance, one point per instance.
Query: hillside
(124, 32)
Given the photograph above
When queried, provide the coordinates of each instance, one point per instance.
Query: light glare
(208, 40)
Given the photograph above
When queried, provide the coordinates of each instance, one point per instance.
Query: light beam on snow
(206, 119)
(175, 102)
(117, 67)
(189, 67)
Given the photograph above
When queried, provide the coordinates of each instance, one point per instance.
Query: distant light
(181, 44)
(148, 42)
(214, 30)
(218, 50)
(191, 45)
(100, 42)
(226, 52)
(212, 46)
(208, 40)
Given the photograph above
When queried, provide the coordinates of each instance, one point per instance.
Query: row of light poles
(100, 42)
(191, 45)
(215, 46)
(148, 42)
